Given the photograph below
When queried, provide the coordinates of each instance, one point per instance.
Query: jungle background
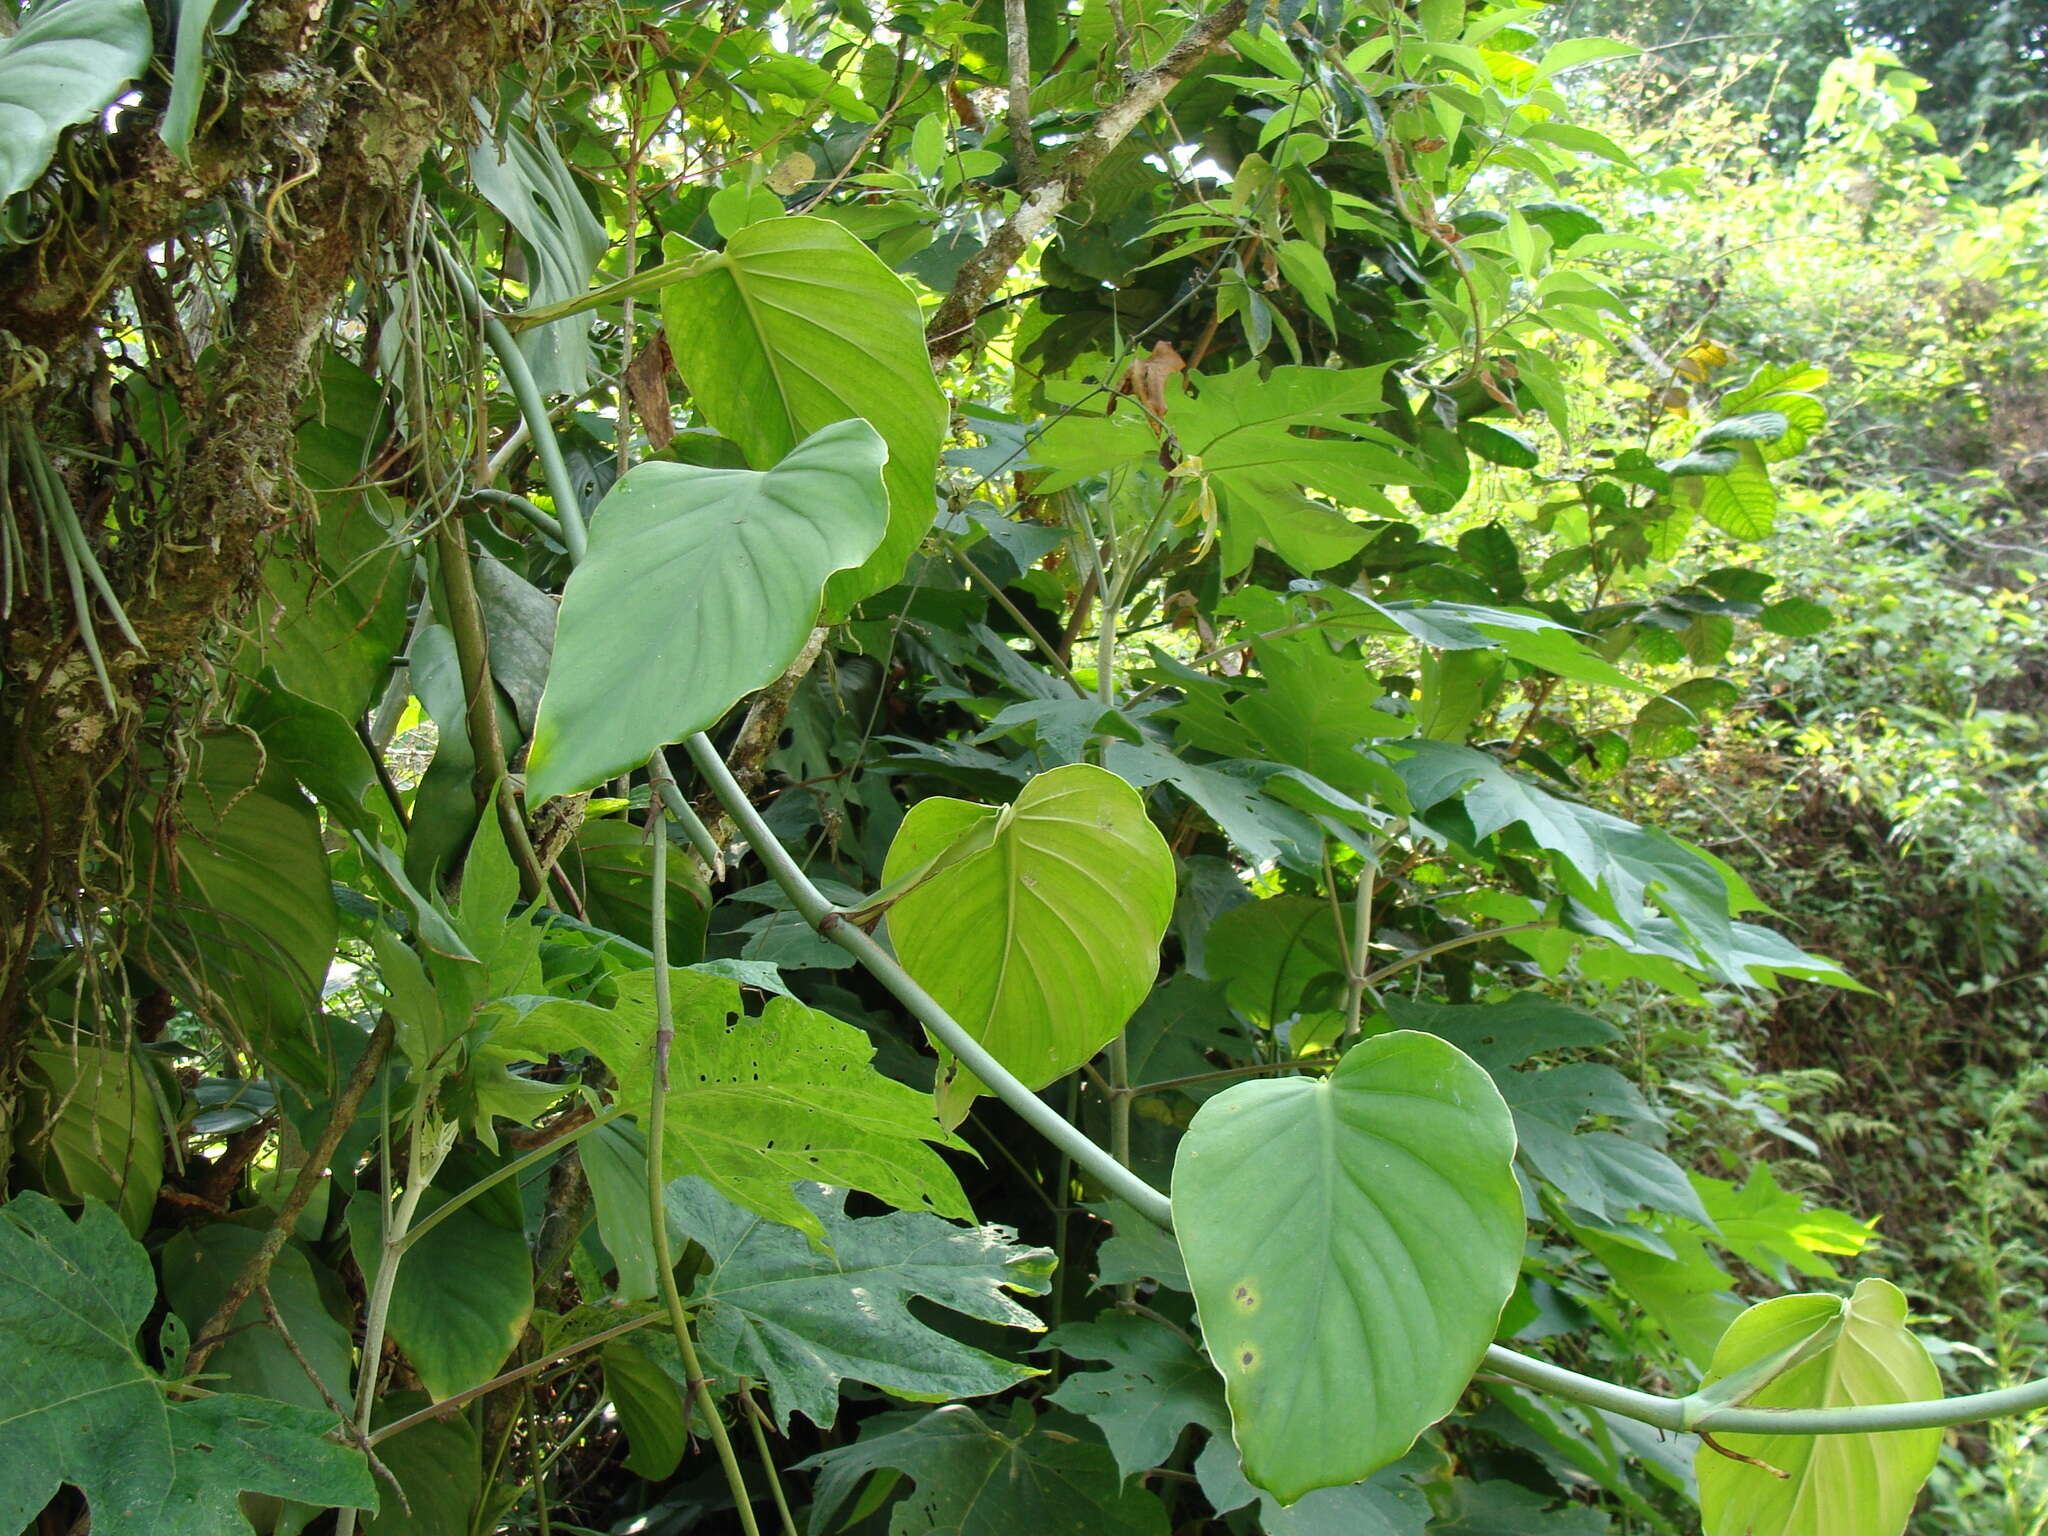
(1844, 204)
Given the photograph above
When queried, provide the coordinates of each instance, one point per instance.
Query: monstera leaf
(1037, 925)
(1351, 1243)
(699, 587)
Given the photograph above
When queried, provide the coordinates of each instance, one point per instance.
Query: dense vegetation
(1086, 767)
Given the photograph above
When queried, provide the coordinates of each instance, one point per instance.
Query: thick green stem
(657, 1210)
(419, 1173)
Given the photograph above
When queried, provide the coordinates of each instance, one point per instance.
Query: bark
(331, 162)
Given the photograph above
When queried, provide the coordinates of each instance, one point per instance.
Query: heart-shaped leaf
(1351, 1243)
(796, 324)
(699, 587)
(70, 59)
(1038, 926)
(1842, 1353)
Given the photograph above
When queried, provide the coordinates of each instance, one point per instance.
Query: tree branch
(984, 271)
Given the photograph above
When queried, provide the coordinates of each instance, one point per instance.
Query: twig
(984, 271)
(256, 1271)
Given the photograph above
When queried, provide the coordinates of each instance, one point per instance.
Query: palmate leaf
(67, 63)
(774, 1309)
(78, 1404)
(757, 1104)
(796, 325)
(1151, 1386)
(1039, 926)
(1855, 1351)
(975, 1479)
(699, 587)
(1351, 1244)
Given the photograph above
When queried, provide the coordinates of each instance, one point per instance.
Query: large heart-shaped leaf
(1844, 1353)
(68, 62)
(1039, 925)
(794, 325)
(699, 587)
(1351, 1243)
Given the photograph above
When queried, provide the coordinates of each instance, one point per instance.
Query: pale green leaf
(796, 325)
(1040, 933)
(759, 1103)
(1858, 1351)
(1388, 1238)
(699, 587)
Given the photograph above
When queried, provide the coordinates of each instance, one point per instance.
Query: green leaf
(79, 1406)
(230, 1445)
(1389, 1238)
(1280, 961)
(242, 913)
(610, 861)
(1242, 427)
(1752, 427)
(521, 173)
(1796, 618)
(793, 326)
(775, 1309)
(1385, 1504)
(329, 626)
(463, 1292)
(650, 1406)
(1741, 503)
(199, 1267)
(760, 1104)
(70, 61)
(1856, 1351)
(1498, 445)
(1039, 930)
(700, 586)
(87, 1127)
(1502, 1508)
(436, 1463)
(974, 1479)
(1504, 1034)
(1154, 1385)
